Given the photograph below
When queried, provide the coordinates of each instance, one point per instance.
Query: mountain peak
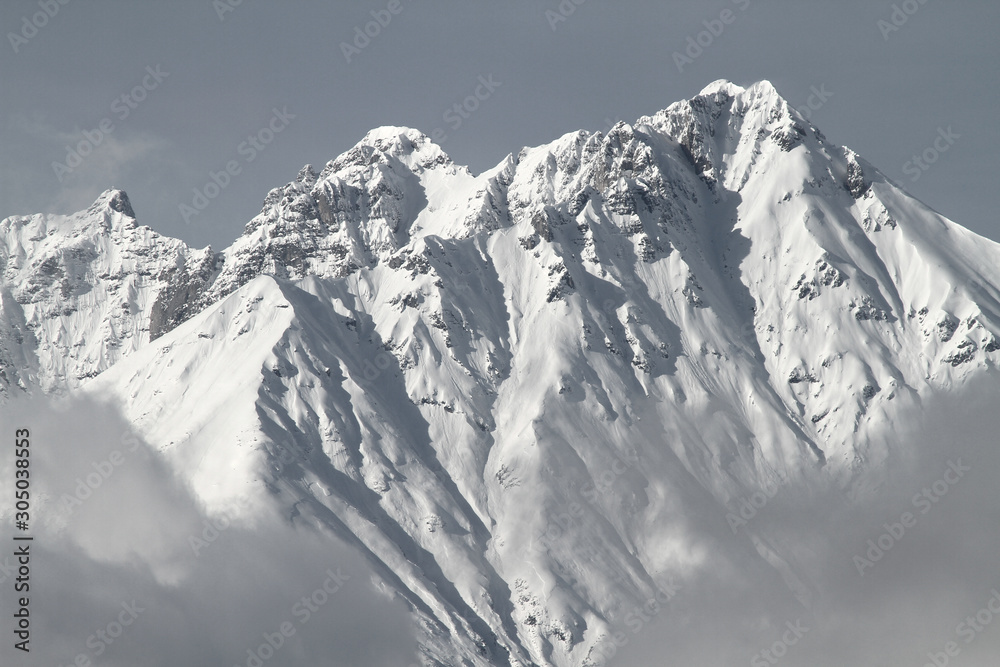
(647, 325)
(762, 88)
(307, 175)
(111, 210)
(761, 95)
(116, 200)
(392, 135)
(721, 86)
(411, 147)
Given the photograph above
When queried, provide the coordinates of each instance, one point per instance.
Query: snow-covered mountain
(515, 392)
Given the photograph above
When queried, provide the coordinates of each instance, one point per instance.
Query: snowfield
(529, 397)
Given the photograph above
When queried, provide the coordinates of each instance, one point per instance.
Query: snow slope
(527, 396)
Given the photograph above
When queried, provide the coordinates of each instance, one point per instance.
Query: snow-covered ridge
(701, 302)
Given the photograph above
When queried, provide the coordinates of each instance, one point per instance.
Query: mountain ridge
(435, 366)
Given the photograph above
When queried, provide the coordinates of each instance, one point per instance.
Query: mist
(127, 568)
(904, 573)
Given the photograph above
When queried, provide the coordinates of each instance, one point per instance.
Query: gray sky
(224, 77)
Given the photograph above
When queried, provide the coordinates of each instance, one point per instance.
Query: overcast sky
(223, 73)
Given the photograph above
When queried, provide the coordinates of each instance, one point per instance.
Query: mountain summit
(512, 391)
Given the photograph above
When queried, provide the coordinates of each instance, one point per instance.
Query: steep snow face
(514, 391)
(859, 293)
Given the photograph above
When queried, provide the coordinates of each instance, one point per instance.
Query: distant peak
(306, 175)
(764, 88)
(400, 141)
(722, 86)
(411, 147)
(116, 200)
(392, 135)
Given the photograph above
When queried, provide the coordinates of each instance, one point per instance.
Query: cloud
(215, 588)
(85, 161)
(933, 522)
(127, 568)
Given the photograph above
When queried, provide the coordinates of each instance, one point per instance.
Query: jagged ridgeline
(508, 389)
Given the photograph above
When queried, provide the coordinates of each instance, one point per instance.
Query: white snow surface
(442, 367)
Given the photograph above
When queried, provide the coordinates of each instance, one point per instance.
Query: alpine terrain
(533, 398)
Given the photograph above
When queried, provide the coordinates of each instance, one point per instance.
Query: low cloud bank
(127, 569)
(906, 574)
